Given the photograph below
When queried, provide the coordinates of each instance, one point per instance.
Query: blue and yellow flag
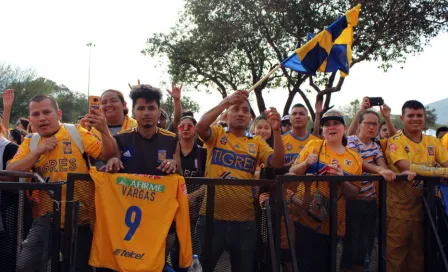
(328, 51)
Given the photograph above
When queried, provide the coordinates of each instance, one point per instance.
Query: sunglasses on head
(183, 127)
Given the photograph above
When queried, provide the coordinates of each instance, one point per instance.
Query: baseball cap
(332, 115)
(285, 119)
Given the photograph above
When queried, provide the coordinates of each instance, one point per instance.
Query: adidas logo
(127, 154)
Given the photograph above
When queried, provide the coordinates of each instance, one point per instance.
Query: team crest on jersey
(348, 163)
(430, 150)
(251, 148)
(67, 147)
(161, 155)
(223, 140)
(406, 148)
(393, 147)
(289, 147)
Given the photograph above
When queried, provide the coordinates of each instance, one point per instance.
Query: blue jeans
(237, 238)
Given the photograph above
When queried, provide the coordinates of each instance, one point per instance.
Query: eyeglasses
(284, 124)
(183, 127)
(370, 124)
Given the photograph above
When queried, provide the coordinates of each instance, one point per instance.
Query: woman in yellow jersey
(310, 202)
(261, 128)
(115, 109)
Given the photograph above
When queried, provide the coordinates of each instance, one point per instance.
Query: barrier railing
(55, 191)
(277, 208)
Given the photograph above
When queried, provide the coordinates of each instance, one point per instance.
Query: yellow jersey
(55, 165)
(128, 123)
(232, 157)
(293, 145)
(444, 141)
(351, 164)
(133, 216)
(404, 199)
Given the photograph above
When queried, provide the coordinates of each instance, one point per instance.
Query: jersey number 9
(132, 221)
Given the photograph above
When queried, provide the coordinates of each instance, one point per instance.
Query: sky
(51, 37)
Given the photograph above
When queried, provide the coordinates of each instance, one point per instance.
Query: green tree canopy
(230, 44)
(26, 85)
(185, 101)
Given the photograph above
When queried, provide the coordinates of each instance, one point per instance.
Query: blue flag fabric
(328, 51)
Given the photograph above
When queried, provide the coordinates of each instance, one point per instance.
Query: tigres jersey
(133, 216)
(404, 199)
(293, 145)
(55, 165)
(444, 141)
(232, 157)
(351, 164)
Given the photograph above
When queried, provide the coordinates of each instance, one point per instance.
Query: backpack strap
(34, 141)
(74, 134)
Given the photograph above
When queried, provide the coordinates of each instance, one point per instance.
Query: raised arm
(278, 157)
(319, 111)
(176, 94)
(8, 100)
(353, 129)
(385, 112)
(203, 126)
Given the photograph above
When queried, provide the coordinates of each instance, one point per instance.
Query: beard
(147, 125)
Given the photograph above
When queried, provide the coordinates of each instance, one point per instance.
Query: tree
(10, 74)
(431, 118)
(185, 101)
(230, 44)
(73, 104)
(26, 85)
(25, 90)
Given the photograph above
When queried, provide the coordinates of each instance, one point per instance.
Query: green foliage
(431, 118)
(72, 104)
(185, 101)
(230, 44)
(26, 85)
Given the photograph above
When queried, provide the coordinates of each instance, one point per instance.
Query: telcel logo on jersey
(128, 254)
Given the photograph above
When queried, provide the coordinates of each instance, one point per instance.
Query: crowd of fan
(227, 142)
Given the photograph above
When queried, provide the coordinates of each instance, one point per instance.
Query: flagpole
(264, 78)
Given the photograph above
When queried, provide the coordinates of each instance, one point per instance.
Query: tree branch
(312, 84)
(377, 37)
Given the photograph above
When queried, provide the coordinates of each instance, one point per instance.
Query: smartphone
(94, 102)
(376, 101)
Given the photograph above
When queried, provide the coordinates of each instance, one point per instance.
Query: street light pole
(90, 44)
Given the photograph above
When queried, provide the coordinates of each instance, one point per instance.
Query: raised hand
(8, 98)
(385, 111)
(175, 91)
(274, 118)
(237, 97)
(96, 119)
(365, 104)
